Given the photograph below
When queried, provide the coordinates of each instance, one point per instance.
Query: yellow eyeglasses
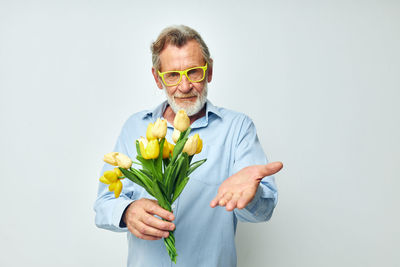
(174, 77)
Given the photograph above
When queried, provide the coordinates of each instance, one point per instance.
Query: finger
(216, 200)
(143, 236)
(147, 230)
(153, 208)
(225, 199)
(232, 203)
(270, 168)
(247, 196)
(154, 222)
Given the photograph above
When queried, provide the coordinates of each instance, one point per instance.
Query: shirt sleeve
(109, 209)
(249, 152)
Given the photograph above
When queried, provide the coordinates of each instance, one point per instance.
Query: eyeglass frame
(181, 72)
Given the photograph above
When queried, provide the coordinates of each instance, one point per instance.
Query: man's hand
(140, 221)
(238, 190)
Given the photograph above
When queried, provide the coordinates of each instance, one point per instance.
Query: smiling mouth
(185, 98)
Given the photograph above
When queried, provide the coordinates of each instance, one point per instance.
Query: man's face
(190, 96)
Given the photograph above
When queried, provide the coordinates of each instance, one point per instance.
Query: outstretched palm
(238, 190)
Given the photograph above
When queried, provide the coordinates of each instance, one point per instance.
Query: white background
(320, 79)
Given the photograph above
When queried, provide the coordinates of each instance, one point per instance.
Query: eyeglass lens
(194, 75)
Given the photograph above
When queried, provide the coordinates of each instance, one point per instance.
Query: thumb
(270, 168)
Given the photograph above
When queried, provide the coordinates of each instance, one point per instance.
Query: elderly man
(236, 175)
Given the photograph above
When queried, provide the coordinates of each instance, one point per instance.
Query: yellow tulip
(181, 121)
(153, 149)
(110, 158)
(149, 132)
(167, 149)
(112, 178)
(190, 146)
(160, 128)
(149, 149)
(199, 143)
(142, 144)
(175, 135)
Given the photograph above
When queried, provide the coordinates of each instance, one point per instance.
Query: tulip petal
(160, 128)
(104, 180)
(175, 135)
(181, 121)
(117, 189)
(118, 172)
(112, 187)
(111, 176)
(123, 161)
(149, 132)
(199, 143)
(110, 158)
(153, 149)
(190, 146)
(166, 149)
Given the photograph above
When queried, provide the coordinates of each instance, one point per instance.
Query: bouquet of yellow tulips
(165, 168)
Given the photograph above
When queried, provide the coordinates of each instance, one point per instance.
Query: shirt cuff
(253, 204)
(119, 210)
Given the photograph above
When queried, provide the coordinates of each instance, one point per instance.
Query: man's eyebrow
(195, 65)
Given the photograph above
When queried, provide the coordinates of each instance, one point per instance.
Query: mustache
(185, 95)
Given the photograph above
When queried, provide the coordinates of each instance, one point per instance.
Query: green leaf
(166, 163)
(180, 144)
(148, 166)
(137, 177)
(184, 167)
(158, 161)
(178, 177)
(173, 174)
(163, 189)
(178, 149)
(147, 181)
(179, 188)
(185, 134)
(131, 176)
(195, 165)
(160, 196)
(146, 163)
(190, 158)
(138, 148)
(147, 173)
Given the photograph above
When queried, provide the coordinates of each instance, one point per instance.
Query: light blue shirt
(204, 235)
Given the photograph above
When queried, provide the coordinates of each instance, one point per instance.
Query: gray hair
(178, 36)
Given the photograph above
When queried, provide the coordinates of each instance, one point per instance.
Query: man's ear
(157, 78)
(210, 71)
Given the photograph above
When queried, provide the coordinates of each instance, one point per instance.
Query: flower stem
(170, 246)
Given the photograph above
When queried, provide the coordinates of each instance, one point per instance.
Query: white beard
(192, 109)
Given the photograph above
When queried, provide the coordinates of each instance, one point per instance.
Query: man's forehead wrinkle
(179, 58)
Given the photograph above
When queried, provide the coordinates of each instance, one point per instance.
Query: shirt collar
(159, 111)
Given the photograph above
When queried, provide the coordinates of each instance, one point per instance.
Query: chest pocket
(216, 169)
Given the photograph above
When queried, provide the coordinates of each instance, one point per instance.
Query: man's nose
(185, 85)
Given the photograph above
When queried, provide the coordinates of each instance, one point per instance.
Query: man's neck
(169, 115)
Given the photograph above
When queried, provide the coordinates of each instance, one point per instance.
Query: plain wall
(320, 79)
